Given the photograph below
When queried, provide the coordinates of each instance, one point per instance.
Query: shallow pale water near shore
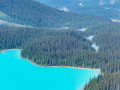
(20, 74)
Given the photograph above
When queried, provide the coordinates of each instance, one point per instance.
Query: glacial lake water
(90, 38)
(19, 74)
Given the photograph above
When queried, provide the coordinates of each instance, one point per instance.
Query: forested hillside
(31, 13)
(50, 47)
(67, 49)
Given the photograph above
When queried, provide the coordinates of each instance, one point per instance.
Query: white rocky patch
(101, 2)
(81, 4)
(82, 29)
(65, 27)
(115, 20)
(113, 1)
(2, 14)
(2, 22)
(64, 9)
(107, 8)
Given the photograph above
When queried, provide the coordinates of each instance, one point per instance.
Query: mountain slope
(28, 12)
(106, 8)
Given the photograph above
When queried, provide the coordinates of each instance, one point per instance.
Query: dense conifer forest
(61, 47)
(107, 37)
(105, 82)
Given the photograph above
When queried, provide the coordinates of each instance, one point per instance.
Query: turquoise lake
(19, 74)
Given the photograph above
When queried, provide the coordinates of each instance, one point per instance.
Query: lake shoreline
(9, 50)
(94, 69)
